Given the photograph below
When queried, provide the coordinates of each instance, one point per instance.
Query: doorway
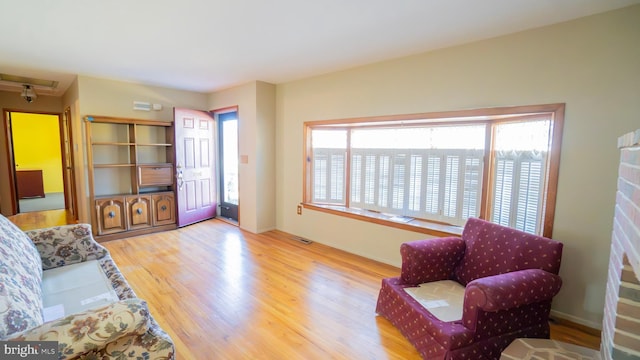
(40, 178)
(196, 196)
(206, 153)
(228, 153)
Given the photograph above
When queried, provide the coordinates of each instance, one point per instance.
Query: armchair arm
(65, 245)
(508, 291)
(430, 260)
(93, 329)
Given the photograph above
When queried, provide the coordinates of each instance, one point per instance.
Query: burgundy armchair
(509, 279)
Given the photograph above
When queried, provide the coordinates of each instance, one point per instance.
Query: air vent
(302, 240)
(144, 106)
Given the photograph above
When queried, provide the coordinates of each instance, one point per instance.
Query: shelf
(125, 121)
(112, 143)
(141, 144)
(131, 174)
(104, 166)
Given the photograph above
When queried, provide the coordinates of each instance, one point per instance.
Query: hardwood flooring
(42, 219)
(224, 293)
(228, 294)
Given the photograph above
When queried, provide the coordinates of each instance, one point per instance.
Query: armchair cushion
(429, 260)
(492, 249)
(443, 299)
(20, 281)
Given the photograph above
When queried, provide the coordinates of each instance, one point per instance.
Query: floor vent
(302, 240)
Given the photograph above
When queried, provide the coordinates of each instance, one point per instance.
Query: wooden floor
(40, 219)
(228, 294)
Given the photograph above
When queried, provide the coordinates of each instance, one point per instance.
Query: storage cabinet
(164, 209)
(131, 176)
(30, 184)
(110, 215)
(138, 212)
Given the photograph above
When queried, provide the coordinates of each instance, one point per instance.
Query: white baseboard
(262, 230)
(577, 320)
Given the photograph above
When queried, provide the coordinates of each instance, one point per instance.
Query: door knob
(180, 179)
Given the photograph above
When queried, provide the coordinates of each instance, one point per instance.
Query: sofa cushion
(20, 281)
(492, 249)
(75, 288)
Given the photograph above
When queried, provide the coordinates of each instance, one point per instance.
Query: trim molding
(585, 325)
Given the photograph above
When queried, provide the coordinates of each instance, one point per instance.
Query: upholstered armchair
(469, 297)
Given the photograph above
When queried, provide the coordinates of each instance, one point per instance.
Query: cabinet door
(155, 175)
(164, 209)
(30, 184)
(111, 215)
(139, 212)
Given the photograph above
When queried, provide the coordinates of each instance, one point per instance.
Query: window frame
(459, 117)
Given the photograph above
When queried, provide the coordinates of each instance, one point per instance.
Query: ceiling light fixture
(50, 84)
(28, 94)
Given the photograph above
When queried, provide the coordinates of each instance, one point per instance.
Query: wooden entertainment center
(131, 182)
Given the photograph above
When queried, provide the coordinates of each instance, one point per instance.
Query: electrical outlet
(299, 210)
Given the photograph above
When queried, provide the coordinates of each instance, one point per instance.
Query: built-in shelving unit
(131, 183)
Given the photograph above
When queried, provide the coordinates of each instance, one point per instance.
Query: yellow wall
(36, 145)
(12, 101)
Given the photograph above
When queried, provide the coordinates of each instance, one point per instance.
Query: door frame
(68, 169)
(216, 113)
(8, 135)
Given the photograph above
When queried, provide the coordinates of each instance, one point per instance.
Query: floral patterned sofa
(118, 329)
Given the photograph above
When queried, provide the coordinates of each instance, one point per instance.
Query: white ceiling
(207, 45)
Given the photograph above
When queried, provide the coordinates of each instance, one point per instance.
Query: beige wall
(266, 162)
(591, 64)
(12, 101)
(71, 100)
(115, 98)
(256, 132)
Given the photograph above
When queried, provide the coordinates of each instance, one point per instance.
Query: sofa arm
(91, 330)
(510, 290)
(430, 260)
(65, 245)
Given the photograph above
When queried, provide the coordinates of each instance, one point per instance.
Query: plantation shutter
(438, 184)
(518, 189)
(329, 176)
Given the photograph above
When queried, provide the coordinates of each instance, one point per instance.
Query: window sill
(410, 224)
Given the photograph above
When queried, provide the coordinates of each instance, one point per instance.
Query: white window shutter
(433, 185)
(518, 189)
(415, 182)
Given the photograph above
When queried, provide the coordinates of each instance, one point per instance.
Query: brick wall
(621, 324)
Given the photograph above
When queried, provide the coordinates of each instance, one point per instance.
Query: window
(499, 164)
